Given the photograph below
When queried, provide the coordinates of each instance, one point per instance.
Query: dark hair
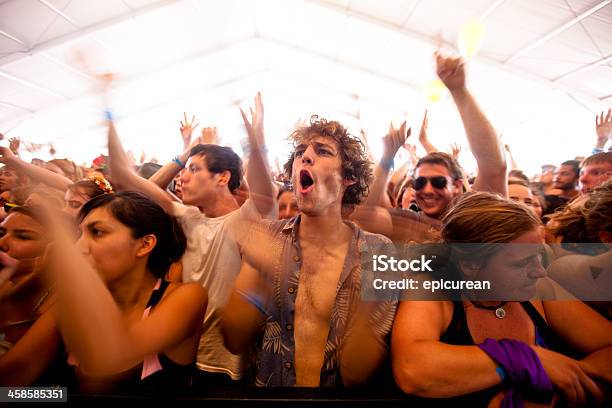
(442, 159)
(88, 187)
(281, 191)
(220, 159)
(574, 164)
(144, 216)
(355, 163)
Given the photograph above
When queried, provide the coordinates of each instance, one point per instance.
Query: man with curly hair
(298, 294)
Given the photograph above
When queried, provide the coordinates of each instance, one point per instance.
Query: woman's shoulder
(192, 291)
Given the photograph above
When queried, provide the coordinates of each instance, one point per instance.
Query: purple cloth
(523, 369)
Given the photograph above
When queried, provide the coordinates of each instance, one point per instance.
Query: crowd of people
(217, 270)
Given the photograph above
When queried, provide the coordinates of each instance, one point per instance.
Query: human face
(594, 175)
(317, 175)
(24, 239)
(287, 206)
(515, 269)
(435, 201)
(407, 197)
(8, 179)
(108, 245)
(178, 185)
(548, 174)
(565, 178)
(524, 195)
(198, 185)
(73, 201)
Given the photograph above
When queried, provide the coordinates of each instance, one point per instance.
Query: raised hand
(254, 127)
(14, 144)
(6, 155)
(187, 129)
(394, 140)
(451, 71)
(603, 126)
(423, 131)
(411, 150)
(209, 135)
(455, 150)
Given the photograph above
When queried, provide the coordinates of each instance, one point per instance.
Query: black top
(172, 378)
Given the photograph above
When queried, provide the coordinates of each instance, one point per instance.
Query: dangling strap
(151, 362)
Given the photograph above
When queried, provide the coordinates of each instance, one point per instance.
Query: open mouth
(306, 181)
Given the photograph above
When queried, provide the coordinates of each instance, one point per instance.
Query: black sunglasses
(436, 182)
(7, 206)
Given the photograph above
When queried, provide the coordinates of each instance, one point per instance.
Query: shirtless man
(302, 301)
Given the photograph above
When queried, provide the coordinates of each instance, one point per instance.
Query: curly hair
(356, 165)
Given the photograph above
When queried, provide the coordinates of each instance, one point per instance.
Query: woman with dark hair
(501, 350)
(126, 327)
(30, 342)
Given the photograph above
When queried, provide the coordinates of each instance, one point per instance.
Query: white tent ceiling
(544, 70)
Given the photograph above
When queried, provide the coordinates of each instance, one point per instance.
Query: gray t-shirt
(212, 258)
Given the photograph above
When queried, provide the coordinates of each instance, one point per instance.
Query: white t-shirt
(212, 258)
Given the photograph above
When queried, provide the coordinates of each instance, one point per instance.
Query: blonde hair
(485, 218)
(582, 224)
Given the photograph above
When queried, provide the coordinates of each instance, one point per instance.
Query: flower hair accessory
(102, 183)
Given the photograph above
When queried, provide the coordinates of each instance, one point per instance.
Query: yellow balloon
(470, 38)
(434, 90)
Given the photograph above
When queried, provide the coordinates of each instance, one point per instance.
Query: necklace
(500, 312)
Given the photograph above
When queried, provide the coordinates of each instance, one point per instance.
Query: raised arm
(261, 188)
(371, 216)
(603, 128)
(424, 138)
(166, 174)
(120, 170)
(513, 163)
(482, 138)
(35, 173)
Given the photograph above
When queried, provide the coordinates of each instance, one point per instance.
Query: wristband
(502, 373)
(386, 164)
(108, 114)
(597, 150)
(178, 162)
(254, 300)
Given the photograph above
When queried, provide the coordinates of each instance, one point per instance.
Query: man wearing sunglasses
(437, 181)
(437, 177)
